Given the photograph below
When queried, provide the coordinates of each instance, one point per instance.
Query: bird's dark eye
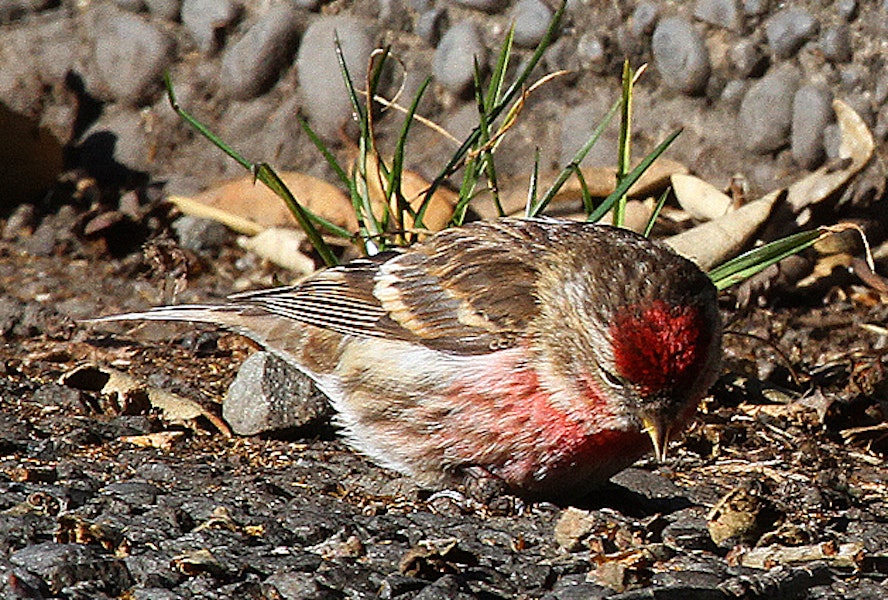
(612, 379)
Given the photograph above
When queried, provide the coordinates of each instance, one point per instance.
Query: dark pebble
(63, 565)
(200, 235)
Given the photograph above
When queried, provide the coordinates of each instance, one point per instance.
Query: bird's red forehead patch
(659, 347)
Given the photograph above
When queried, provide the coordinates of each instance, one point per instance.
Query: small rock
(811, 112)
(326, 101)
(269, 395)
(63, 565)
(592, 53)
(836, 43)
(20, 223)
(755, 7)
(200, 235)
(488, 6)
(164, 9)
(644, 18)
(748, 59)
(847, 9)
(687, 531)
(205, 19)
(680, 55)
(252, 65)
(766, 110)
(431, 25)
(133, 6)
(789, 29)
(531, 18)
(131, 55)
(721, 13)
(454, 64)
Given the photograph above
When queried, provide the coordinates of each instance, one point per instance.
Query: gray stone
(204, 19)
(431, 25)
(252, 65)
(63, 565)
(644, 18)
(680, 55)
(721, 13)
(200, 235)
(488, 6)
(131, 55)
(117, 140)
(164, 9)
(133, 6)
(789, 29)
(531, 18)
(268, 395)
(454, 63)
(847, 9)
(836, 43)
(755, 7)
(326, 101)
(747, 58)
(811, 112)
(766, 110)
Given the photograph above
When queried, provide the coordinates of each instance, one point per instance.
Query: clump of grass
(382, 225)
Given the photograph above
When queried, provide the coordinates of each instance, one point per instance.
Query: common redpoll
(545, 354)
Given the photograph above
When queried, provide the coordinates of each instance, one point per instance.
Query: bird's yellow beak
(659, 432)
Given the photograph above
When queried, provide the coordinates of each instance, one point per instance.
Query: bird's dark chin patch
(659, 347)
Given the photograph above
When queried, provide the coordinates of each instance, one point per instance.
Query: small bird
(546, 355)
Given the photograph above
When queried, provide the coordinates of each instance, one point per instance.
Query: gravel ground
(777, 491)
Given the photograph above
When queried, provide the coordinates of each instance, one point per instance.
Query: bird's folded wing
(469, 290)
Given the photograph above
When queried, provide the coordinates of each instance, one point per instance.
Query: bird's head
(635, 324)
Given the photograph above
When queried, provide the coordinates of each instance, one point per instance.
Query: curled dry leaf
(700, 199)
(281, 246)
(716, 241)
(162, 440)
(848, 556)
(123, 387)
(253, 204)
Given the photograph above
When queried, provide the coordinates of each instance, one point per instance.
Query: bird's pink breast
(507, 422)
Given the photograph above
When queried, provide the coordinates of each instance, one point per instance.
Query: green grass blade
(661, 201)
(360, 113)
(268, 176)
(456, 160)
(631, 178)
(624, 147)
(322, 147)
(534, 181)
(574, 164)
(749, 263)
(498, 77)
